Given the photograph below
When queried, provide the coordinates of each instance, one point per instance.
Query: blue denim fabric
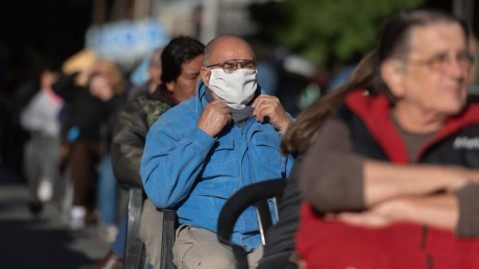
(186, 169)
(107, 192)
(118, 246)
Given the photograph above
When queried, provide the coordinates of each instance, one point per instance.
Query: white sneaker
(109, 232)
(77, 217)
(45, 190)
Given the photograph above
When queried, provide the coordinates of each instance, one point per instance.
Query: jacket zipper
(424, 238)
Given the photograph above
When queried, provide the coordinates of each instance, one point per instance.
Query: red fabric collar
(374, 111)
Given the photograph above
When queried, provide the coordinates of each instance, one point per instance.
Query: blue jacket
(186, 169)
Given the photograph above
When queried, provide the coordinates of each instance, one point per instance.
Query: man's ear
(392, 72)
(205, 75)
(170, 86)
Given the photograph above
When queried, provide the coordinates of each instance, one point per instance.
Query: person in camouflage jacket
(133, 123)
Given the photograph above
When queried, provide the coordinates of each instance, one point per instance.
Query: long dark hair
(394, 41)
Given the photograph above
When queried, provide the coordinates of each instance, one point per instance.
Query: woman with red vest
(391, 179)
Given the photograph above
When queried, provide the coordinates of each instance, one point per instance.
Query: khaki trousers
(197, 248)
(151, 225)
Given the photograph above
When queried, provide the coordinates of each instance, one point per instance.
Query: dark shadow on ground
(24, 246)
(43, 242)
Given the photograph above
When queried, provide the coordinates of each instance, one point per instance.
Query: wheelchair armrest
(256, 194)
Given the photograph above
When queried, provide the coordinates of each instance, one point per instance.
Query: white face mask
(235, 89)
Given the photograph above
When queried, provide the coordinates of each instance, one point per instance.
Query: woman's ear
(392, 73)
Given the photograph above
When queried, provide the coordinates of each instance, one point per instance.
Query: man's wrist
(284, 127)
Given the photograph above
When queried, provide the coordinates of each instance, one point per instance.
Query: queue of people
(182, 57)
(382, 172)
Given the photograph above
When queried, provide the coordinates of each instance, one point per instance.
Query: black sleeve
(128, 142)
(280, 237)
(468, 225)
(331, 176)
(65, 86)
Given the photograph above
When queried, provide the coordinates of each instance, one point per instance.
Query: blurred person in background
(21, 87)
(154, 72)
(93, 93)
(41, 159)
(181, 59)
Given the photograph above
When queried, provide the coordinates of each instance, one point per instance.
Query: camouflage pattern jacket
(133, 122)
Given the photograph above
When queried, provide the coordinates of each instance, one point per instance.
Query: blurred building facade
(137, 26)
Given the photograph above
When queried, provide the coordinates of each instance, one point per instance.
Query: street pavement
(44, 242)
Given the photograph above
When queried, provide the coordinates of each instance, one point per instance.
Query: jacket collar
(375, 112)
(200, 96)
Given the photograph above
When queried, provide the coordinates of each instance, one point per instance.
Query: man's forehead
(231, 49)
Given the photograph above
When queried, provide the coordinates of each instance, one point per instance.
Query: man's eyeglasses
(442, 61)
(229, 66)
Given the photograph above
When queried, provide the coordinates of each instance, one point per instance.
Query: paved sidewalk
(45, 242)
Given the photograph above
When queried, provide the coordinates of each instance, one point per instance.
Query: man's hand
(214, 118)
(269, 106)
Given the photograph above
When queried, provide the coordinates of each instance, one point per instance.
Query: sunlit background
(309, 46)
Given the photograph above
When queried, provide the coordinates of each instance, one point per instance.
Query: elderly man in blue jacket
(203, 150)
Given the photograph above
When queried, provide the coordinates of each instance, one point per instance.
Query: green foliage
(334, 31)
